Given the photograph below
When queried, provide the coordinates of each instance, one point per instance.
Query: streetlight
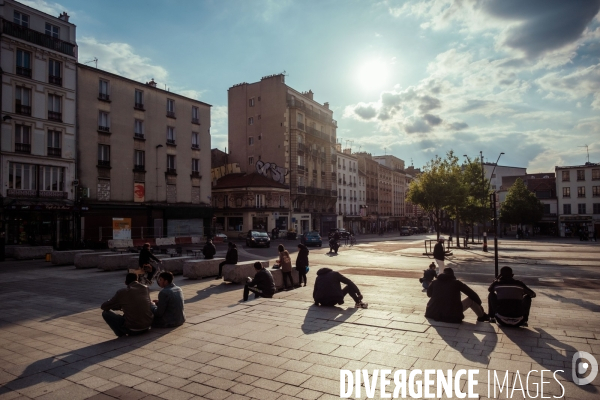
(5, 118)
(495, 219)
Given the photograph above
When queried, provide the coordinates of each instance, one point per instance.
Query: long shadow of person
(473, 343)
(213, 290)
(582, 303)
(319, 319)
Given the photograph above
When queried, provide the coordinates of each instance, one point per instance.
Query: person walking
(230, 258)
(285, 263)
(439, 254)
(302, 263)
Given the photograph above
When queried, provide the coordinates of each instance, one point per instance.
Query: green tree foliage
(521, 206)
(475, 205)
(439, 187)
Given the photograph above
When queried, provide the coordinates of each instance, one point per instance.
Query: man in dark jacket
(428, 276)
(445, 304)
(168, 309)
(438, 253)
(134, 302)
(262, 285)
(209, 250)
(334, 242)
(230, 258)
(144, 259)
(328, 289)
(506, 279)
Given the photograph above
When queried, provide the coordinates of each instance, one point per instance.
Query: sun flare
(373, 74)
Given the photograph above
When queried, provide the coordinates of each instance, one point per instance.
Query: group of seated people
(509, 300)
(138, 312)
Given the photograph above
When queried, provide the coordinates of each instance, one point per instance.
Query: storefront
(571, 225)
(328, 222)
(301, 223)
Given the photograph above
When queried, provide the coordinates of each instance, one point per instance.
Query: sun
(373, 74)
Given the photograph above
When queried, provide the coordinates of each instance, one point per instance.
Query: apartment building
(348, 189)
(578, 192)
(398, 189)
(367, 167)
(287, 136)
(37, 157)
(143, 155)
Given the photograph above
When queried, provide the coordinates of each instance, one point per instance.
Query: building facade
(578, 192)
(398, 189)
(290, 138)
(144, 155)
(37, 158)
(367, 168)
(348, 190)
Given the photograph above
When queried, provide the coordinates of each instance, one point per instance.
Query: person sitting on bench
(230, 258)
(263, 284)
(209, 250)
(513, 308)
(328, 289)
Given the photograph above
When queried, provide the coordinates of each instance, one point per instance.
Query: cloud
(365, 111)
(458, 126)
(218, 127)
(581, 83)
(54, 9)
(432, 120)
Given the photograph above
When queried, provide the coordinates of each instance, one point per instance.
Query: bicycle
(142, 274)
(352, 240)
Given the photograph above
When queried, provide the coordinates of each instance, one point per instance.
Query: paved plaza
(54, 343)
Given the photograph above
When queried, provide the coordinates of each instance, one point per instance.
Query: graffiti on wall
(277, 173)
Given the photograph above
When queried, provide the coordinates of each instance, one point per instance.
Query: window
(138, 129)
(251, 102)
(23, 101)
(546, 209)
(52, 30)
(259, 200)
(251, 121)
(170, 108)
(250, 141)
(103, 122)
(103, 155)
(54, 108)
(281, 201)
(170, 135)
(24, 63)
(103, 90)
(21, 19)
(195, 166)
(21, 176)
(22, 139)
(139, 162)
(566, 192)
(581, 208)
(566, 209)
(171, 166)
(195, 140)
(250, 160)
(596, 208)
(52, 179)
(55, 72)
(54, 148)
(581, 191)
(300, 121)
(596, 174)
(139, 100)
(195, 115)
(566, 176)
(595, 191)
(581, 175)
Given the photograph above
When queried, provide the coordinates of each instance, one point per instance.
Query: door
(158, 228)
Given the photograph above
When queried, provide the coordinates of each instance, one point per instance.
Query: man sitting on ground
(209, 250)
(134, 301)
(262, 285)
(445, 304)
(506, 279)
(428, 276)
(168, 309)
(328, 289)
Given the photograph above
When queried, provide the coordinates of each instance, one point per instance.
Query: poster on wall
(121, 228)
(139, 192)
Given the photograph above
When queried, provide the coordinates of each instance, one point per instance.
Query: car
(311, 238)
(344, 234)
(422, 229)
(404, 231)
(257, 238)
(221, 237)
(414, 230)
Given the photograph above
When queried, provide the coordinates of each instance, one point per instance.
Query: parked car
(258, 238)
(414, 230)
(422, 229)
(311, 238)
(344, 234)
(404, 231)
(221, 237)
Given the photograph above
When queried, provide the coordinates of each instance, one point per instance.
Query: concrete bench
(29, 253)
(239, 272)
(114, 262)
(174, 264)
(278, 277)
(198, 269)
(88, 260)
(66, 257)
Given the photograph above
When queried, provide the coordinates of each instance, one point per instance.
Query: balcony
(196, 174)
(580, 195)
(196, 121)
(310, 113)
(333, 175)
(301, 147)
(55, 116)
(23, 148)
(39, 38)
(22, 109)
(139, 168)
(55, 80)
(314, 172)
(301, 189)
(322, 174)
(333, 158)
(138, 135)
(54, 151)
(24, 71)
(139, 106)
(103, 128)
(171, 171)
(334, 193)
(171, 142)
(300, 168)
(103, 96)
(300, 125)
(195, 146)
(103, 163)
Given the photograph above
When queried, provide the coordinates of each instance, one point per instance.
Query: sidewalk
(55, 345)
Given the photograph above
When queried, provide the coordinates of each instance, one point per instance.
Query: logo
(581, 364)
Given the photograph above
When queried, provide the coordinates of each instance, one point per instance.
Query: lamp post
(5, 118)
(493, 199)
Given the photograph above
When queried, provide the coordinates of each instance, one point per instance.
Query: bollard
(485, 241)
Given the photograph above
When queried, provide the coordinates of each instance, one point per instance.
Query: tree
(475, 206)
(521, 206)
(439, 187)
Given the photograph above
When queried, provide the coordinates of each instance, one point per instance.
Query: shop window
(21, 176)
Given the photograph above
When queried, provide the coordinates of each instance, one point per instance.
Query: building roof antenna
(95, 60)
(588, 151)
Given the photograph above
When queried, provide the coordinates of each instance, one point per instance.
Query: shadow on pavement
(475, 342)
(322, 318)
(582, 303)
(212, 290)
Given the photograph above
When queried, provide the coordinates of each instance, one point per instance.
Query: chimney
(326, 105)
(64, 16)
(151, 83)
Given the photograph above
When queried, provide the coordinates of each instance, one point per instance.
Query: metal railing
(39, 38)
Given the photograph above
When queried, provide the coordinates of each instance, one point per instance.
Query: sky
(410, 78)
